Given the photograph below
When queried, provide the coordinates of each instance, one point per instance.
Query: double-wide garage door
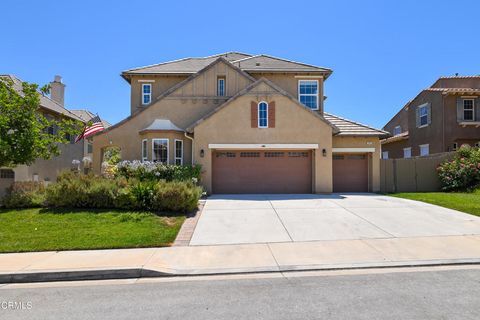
(252, 171)
(350, 173)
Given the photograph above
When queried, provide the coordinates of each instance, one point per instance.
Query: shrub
(157, 171)
(178, 196)
(462, 172)
(25, 195)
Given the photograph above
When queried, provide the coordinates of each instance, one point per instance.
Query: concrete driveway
(237, 219)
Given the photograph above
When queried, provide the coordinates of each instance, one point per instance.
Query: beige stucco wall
(294, 125)
(374, 157)
(289, 83)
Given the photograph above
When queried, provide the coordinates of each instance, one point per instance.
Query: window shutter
(429, 113)
(254, 114)
(477, 109)
(417, 117)
(271, 114)
(459, 109)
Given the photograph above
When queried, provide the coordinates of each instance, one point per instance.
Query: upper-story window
(423, 115)
(308, 93)
(146, 93)
(397, 130)
(263, 115)
(221, 87)
(468, 110)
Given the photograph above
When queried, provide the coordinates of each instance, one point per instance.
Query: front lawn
(468, 202)
(62, 229)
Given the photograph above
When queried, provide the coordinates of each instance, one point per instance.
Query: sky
(382, 52)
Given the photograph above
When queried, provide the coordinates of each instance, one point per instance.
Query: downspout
(188, 137)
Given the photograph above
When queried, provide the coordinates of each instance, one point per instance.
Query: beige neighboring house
(255, 123)
(46, 170)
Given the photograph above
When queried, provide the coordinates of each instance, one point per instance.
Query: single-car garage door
(279, 171)
(350, 173)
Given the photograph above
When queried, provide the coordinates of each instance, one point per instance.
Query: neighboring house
(440, 118)
(46, 170)
(255, 123)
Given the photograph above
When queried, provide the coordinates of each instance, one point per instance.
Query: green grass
(45, 229)
(468, 202)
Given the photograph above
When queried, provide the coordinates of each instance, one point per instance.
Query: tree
(24, 131)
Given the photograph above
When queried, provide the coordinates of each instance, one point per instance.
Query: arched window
(263, 114)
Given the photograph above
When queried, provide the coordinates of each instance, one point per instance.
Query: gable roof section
(248, 89)
(351, 128)
(266, 63)
(45, 102)
(183, 66)
(179, 85)
(87, 115)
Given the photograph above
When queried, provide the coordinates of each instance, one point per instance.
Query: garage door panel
(350, 173)
(262, 172)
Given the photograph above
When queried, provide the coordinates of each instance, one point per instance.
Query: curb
(109, 274)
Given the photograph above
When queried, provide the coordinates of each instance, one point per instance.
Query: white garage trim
(353, 150)
(261, 146)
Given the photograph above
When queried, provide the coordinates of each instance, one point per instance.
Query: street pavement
(402, 293)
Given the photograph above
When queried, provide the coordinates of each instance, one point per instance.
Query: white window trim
(473, 110)
(146, 94)
(144, 148)
(168, 148)
(181, 157)
(410, 150)
(309, 94)
(224, 86)
(425, 105)
(400, 130)
(422, 146)
(258, 115)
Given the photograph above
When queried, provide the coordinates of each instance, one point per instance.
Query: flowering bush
(157, 171)
(462, 172)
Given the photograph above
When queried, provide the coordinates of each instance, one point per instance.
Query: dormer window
(221, 87)
(146, 93)
(397, 130)
(308, 93)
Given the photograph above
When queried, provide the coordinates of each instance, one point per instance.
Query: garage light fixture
(202, 153)
(324, 152)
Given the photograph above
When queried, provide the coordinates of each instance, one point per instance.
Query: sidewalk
(224, 259)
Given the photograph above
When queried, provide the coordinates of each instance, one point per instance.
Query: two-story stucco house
(255, 123)
(439, 119)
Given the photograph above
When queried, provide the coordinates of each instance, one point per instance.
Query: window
(407, 153)
(7, 174)
(263, 115)
(423, 114)
(89, 146)
(179, 152)
(144, 150)
(249, 154)
(468, 111)
(160, 150)
(225, 155)
(308, 93)
(385, 155)
(146, 93)
(424, 150)
(273, 154)
(297, 154)
(221, 87)
(397, 130)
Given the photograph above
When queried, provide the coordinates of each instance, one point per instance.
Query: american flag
(96, 126)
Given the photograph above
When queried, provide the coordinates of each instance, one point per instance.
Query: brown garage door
(350, 173)
(262, 171)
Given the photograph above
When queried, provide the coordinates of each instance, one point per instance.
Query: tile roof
(266, 63)
(398, 137)
(460, 77)
(162, 124)
(185, 65)
(86, 116)
(454, 90)
(351, 128)
(45, 102)
(246, 62)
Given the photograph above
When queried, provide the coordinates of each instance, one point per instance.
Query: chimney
(57, 90)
